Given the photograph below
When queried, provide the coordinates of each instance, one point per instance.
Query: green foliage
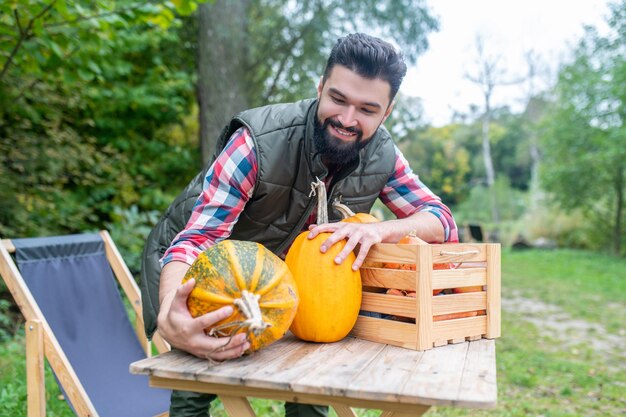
(290, 41)
(584, 144)
(476, 209)
(440, 160)
(13, 382)
(511, 148)
(88, 94)
(548, 221)
(129, 229)
(449, 158)
(6, 321)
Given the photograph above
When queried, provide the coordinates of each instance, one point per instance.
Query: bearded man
(257, 188)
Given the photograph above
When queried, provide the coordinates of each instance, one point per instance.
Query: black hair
(370, 57)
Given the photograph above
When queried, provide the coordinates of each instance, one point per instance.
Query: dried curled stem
(248, 304)
(319, 188)
(345, 211)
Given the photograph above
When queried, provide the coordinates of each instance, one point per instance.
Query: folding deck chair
(76, 319)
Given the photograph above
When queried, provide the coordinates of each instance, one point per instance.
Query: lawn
(561, 352)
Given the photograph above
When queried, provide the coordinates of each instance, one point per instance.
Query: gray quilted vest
(282, 200)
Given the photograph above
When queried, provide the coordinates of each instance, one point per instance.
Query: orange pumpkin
(330, 294)
(257, 283)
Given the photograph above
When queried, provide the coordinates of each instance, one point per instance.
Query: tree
(221, 66)
(86, 93)
(437, 154)
(281, 46)
(584, 145)
(488, 75)
(535, 108)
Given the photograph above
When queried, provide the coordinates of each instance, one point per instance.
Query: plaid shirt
(229, 184)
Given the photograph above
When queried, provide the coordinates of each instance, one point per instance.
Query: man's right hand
(181, 330)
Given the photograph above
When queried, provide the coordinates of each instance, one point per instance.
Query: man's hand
(182, 331)
(364, 235)
(425, 225)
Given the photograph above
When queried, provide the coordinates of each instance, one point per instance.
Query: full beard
(334, 150)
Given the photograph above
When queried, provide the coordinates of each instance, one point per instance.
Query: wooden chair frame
(41, 342)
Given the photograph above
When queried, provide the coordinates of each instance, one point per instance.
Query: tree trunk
(489, 170)
(222, 51)
(535, 160)
(619, 209)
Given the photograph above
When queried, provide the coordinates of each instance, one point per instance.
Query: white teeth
(343, 132)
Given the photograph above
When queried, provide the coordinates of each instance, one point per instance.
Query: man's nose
(347, 116)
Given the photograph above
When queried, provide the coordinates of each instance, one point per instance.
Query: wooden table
(349, 373)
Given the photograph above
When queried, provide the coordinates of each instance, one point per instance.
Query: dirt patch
(552, 321)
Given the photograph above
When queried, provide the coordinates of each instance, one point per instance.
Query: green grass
(538, 374)
(587, 285)
(13, 383)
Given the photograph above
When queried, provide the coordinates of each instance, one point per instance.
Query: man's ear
(320, 86)
(388, 111)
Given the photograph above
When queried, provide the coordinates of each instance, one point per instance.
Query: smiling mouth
(342, 132)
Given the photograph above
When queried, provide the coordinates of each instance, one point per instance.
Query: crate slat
(405, 279)
(459, 303)
(457, 328)
(493, 294)
(389, 304)
(460, 277)
(388, 278)
(389, 252)
(385, 331)
(424, 295)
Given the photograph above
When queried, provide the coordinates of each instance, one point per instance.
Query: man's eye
(337, 100)
(368, 111)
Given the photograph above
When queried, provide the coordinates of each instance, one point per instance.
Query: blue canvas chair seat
(70, 292)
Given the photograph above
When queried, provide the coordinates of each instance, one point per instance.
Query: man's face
(351, 108)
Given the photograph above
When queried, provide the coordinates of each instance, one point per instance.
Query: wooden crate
(473, 264)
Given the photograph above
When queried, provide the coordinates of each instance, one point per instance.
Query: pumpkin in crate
(257, 283)
(412, 239)
(330, 294)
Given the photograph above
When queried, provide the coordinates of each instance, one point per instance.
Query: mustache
(337, 124)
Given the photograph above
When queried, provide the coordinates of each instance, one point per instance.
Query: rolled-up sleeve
(227, 187)
(404, 194)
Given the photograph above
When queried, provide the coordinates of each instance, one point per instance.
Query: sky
(509, 28)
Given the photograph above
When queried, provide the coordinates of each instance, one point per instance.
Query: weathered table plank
(348, 371)
(386, 374)
(333, 375)
(479, 376)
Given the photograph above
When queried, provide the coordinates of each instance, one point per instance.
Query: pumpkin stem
(319, 188)
(249, 306)
(345, 211)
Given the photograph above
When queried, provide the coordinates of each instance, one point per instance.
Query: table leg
(237, 406)
(418, 412)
